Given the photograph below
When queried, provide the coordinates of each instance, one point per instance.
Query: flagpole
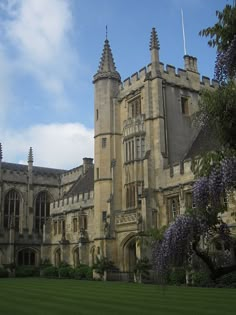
(182, 15)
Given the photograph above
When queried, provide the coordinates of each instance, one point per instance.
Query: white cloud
(40, 33)
(5, 91)
(54, 145)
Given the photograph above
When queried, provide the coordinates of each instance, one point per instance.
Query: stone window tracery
(12, 209)
(134, 194)
(173, 207)
(26, 257)
(135, 107)
(134, 148)
(42, 210)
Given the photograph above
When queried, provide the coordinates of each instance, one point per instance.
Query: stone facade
(141, 177)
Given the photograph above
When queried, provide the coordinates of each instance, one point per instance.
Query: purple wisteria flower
(201, 193)
(174, 248)
(228, 166)
(216, 187)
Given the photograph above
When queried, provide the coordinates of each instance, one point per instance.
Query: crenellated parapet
(74, 202)
(171, 75)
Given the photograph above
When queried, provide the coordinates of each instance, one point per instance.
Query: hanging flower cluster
(226, 62)
(209, 191)
(201, 193)
(216, 188)
(229, 173)
(174, 248)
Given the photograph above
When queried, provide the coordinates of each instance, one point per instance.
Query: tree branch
(215, 273)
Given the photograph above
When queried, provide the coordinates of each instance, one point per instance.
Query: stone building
(141, 178)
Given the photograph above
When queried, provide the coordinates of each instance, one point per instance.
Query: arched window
(12, 209)
(76, 257)
(173, 207)
(26, 257)
(42, 210)
(57, 257)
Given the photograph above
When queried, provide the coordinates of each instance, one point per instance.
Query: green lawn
(66, 297)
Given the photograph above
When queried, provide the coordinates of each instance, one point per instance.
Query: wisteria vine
(175, 246)
(208, 191)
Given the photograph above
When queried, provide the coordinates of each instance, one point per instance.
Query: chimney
(87, 163)
(190, 63)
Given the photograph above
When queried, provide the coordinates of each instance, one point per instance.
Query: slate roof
(36, 169)
(204, 142)
(84, 183)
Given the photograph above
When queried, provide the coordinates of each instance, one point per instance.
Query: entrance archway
(76, 257)
(129, 254)
(57, 257)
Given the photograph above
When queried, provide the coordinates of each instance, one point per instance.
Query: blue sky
(50, 50)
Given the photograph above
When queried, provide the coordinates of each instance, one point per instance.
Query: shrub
(177, 276)
(83, 272)
(142, 267)
(50, 272)
(27, 271)
(228, 280)
(3, 273)
(45, 263)
(102, 265)
(202, 279)
(66, 272)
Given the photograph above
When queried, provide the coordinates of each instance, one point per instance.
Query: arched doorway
(76, 257)
(57, 257)
(92, 256)
(129, 254)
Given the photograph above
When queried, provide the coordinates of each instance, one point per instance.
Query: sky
(50, 50)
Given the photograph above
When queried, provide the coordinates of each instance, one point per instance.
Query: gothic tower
(106, 143)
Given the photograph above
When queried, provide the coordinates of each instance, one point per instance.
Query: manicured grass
(34, 296)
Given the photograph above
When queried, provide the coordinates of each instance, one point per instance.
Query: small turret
(0, 152)
(154, 48)
(30, 155)
(30, 164)
(107, 68)
(154, 42)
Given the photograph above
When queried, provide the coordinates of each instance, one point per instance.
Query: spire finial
(154, 42)
(107, 68)
(0, 151)
(30, 156)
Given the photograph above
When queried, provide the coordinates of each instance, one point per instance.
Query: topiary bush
(3, 273)
(50, 272)
(83, 272)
